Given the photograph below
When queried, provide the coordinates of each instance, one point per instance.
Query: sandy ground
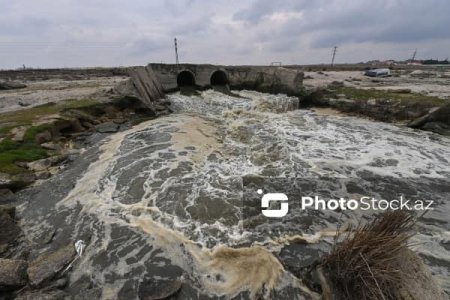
(431, 83)
(40, 92)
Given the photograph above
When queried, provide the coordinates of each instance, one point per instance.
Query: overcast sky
(78, 33)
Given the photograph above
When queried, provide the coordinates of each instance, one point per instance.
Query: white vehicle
(378, 73)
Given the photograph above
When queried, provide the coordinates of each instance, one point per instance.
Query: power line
(62, 45)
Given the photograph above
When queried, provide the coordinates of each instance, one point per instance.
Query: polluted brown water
(175, 198)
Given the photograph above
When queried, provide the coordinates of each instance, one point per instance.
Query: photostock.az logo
(274, 213)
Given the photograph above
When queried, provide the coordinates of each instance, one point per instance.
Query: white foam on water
(234, 137)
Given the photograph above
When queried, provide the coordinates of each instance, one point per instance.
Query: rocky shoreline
(378, 100)
(61, 133)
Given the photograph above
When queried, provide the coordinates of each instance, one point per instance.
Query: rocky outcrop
(48, 265)
(8, 233)
(51, 294)
(107, 127)
(46, 163)
(154, 290)
(59, 136)
(15, 182)
(12, 274)
(18, 133)
(143, 85)
(8, 209)
(6, 196)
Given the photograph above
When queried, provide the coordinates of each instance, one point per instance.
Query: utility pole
(414, 56)
(334, 55)
(176, 51)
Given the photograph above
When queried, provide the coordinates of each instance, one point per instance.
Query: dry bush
(365, 265)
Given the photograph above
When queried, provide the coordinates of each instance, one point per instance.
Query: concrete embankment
(348, 95)
(260, 78)
(145, 86)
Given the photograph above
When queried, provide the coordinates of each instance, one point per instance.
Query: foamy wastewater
(177, 182)
(220, 271)
(223, 270)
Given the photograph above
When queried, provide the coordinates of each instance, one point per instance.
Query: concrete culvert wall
(219, 77)
(185, 78)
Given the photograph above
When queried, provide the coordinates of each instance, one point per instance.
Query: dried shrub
(365, 265)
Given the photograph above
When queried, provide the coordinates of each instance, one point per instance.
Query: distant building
(373, 62)
(436, 62)
(389, 62)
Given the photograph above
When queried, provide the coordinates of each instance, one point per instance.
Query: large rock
(107, 127)
(6, 180)
(158, 290)
(18, 133)
(46, 163)
(48, 265)
(9, 232)
(12, 274)
(6, 196)
(53, 294)
(10, 210)
(15, 182)
(51, 146)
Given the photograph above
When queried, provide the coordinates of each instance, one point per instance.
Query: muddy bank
(41, 121)
(407, 97)
(35, 142)
(28, 88)
(70, 139)
(41, 92)
(38, 142)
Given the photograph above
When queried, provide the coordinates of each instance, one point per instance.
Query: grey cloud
(262, 8)
(403, 22)
(222, 31)
(24, 26)
(337, 22)
(146, 45)
(199, 25)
